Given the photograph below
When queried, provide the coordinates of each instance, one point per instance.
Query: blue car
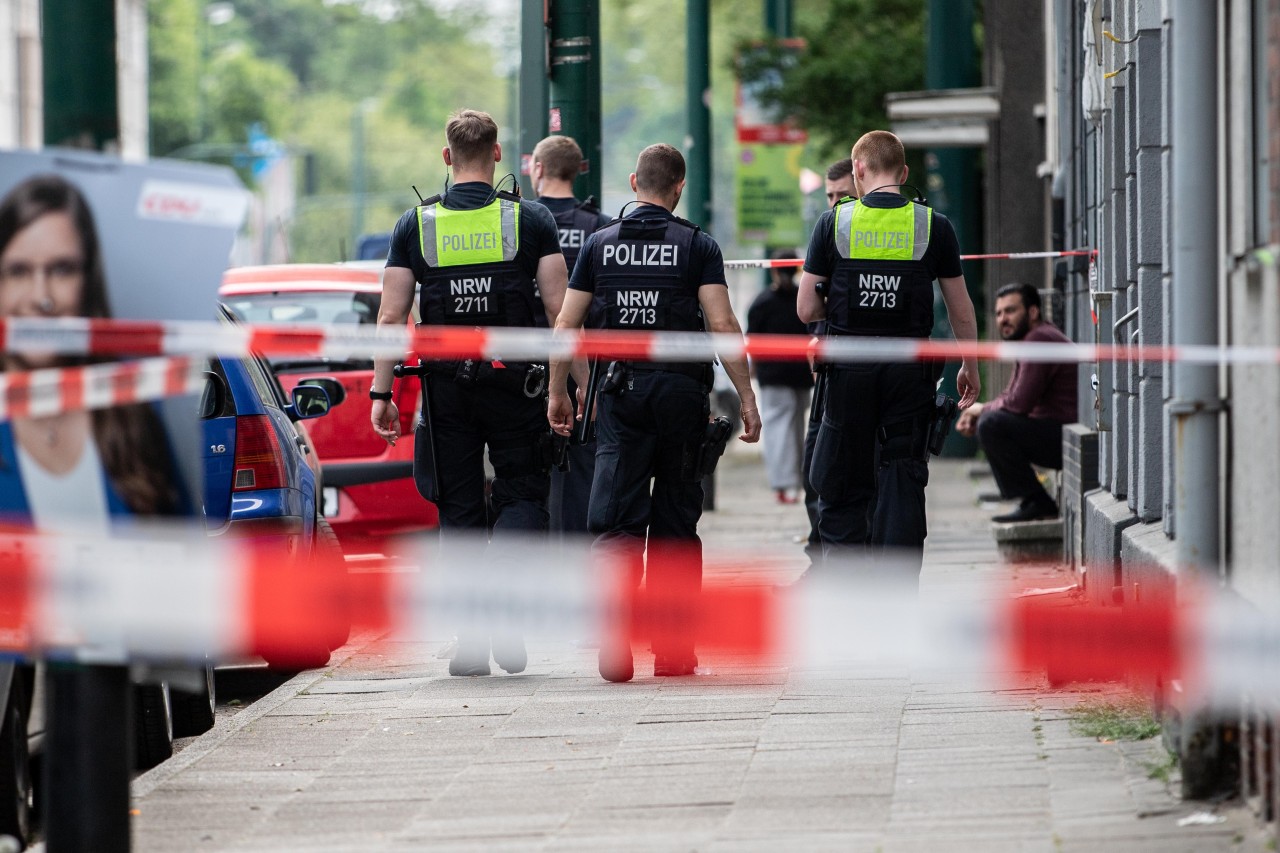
(261, 475)
(261, 485)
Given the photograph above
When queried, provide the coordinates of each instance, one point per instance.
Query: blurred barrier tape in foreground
(94, 337)
(166, 597)
(51, 391)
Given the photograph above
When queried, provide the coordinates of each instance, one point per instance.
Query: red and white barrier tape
(767, 263)
(165, 597)
(36, 393)
(83, 337)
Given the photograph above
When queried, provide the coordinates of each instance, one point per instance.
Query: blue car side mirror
(308, 401)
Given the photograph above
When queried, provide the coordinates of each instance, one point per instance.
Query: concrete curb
(222, 730)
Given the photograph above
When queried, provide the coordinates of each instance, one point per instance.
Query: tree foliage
(174, 70)
(302, 71)
(859, 51)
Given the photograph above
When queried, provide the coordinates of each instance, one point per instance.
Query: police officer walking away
(876, 258)
(839, 185)
(650, 270)
(557, 160)
(476, 253)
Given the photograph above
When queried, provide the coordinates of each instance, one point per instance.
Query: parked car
(368, 491)
(373, 247)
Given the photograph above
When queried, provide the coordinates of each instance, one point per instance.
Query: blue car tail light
(259, 462)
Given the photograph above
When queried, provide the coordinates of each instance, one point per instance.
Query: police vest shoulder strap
(686, 223)
(508, 196)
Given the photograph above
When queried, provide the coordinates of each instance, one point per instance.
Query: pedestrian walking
(476, 252)
(557, 160)
(650, 270)
(784, 385)
(869, 272)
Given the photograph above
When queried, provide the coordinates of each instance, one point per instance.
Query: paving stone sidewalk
(384, 751)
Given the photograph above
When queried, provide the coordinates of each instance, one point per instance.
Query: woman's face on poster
(42, 271)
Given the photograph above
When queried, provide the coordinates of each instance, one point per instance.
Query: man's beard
(1019, 331)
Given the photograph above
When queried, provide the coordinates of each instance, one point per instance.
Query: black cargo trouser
(1013, 443)
(639, 497)
(571, 490)
(868, 467)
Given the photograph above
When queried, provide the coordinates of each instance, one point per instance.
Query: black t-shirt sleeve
(403, 238)
(707, 264)
(539, 227)
(582, 276)
(943, 255)
(820, 259)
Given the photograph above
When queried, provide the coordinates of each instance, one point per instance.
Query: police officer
(839, 185)
(476, 252)
(651, 270)
(557, 160)
(876, 258)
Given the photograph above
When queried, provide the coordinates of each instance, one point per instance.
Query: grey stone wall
(1079, 476)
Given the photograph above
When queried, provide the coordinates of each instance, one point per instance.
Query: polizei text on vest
(641, 254)
(470, 242)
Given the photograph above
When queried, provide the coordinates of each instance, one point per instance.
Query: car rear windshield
(357, 309)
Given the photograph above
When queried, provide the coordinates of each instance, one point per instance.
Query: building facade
(1162, 134)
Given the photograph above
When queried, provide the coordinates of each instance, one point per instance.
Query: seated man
(1023, 426)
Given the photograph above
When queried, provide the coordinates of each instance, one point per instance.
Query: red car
(368, 491)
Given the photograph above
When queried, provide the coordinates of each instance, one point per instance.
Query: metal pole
(1195, 281)
(88, 759)
(697, 191)
(950, 182)
(534, 86)
(357, 177)
(575, 84)
(777, 18)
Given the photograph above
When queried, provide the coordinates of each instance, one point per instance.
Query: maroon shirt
(1040, 389)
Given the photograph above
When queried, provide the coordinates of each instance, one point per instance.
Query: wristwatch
(379, 395)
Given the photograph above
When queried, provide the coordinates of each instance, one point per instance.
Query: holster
(700, 459)
(920, 437)
(944, 415)
(560, 452)
(819, 400)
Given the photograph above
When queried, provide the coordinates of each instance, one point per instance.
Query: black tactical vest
(575, 225)
(881, 286)
(641, 280)
(472, 277)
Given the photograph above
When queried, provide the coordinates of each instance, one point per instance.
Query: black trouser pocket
(829, 472)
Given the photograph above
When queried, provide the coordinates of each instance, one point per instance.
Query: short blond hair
(471, 135)
(881, 153)
(560, 156)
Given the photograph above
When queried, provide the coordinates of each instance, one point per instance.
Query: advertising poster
(770, 204)
(84, 235)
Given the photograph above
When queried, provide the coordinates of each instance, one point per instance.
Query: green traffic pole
(777, 18)
(697, 192)
(80, 100)
(950, 183)
(575, 84)
(534, 86)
